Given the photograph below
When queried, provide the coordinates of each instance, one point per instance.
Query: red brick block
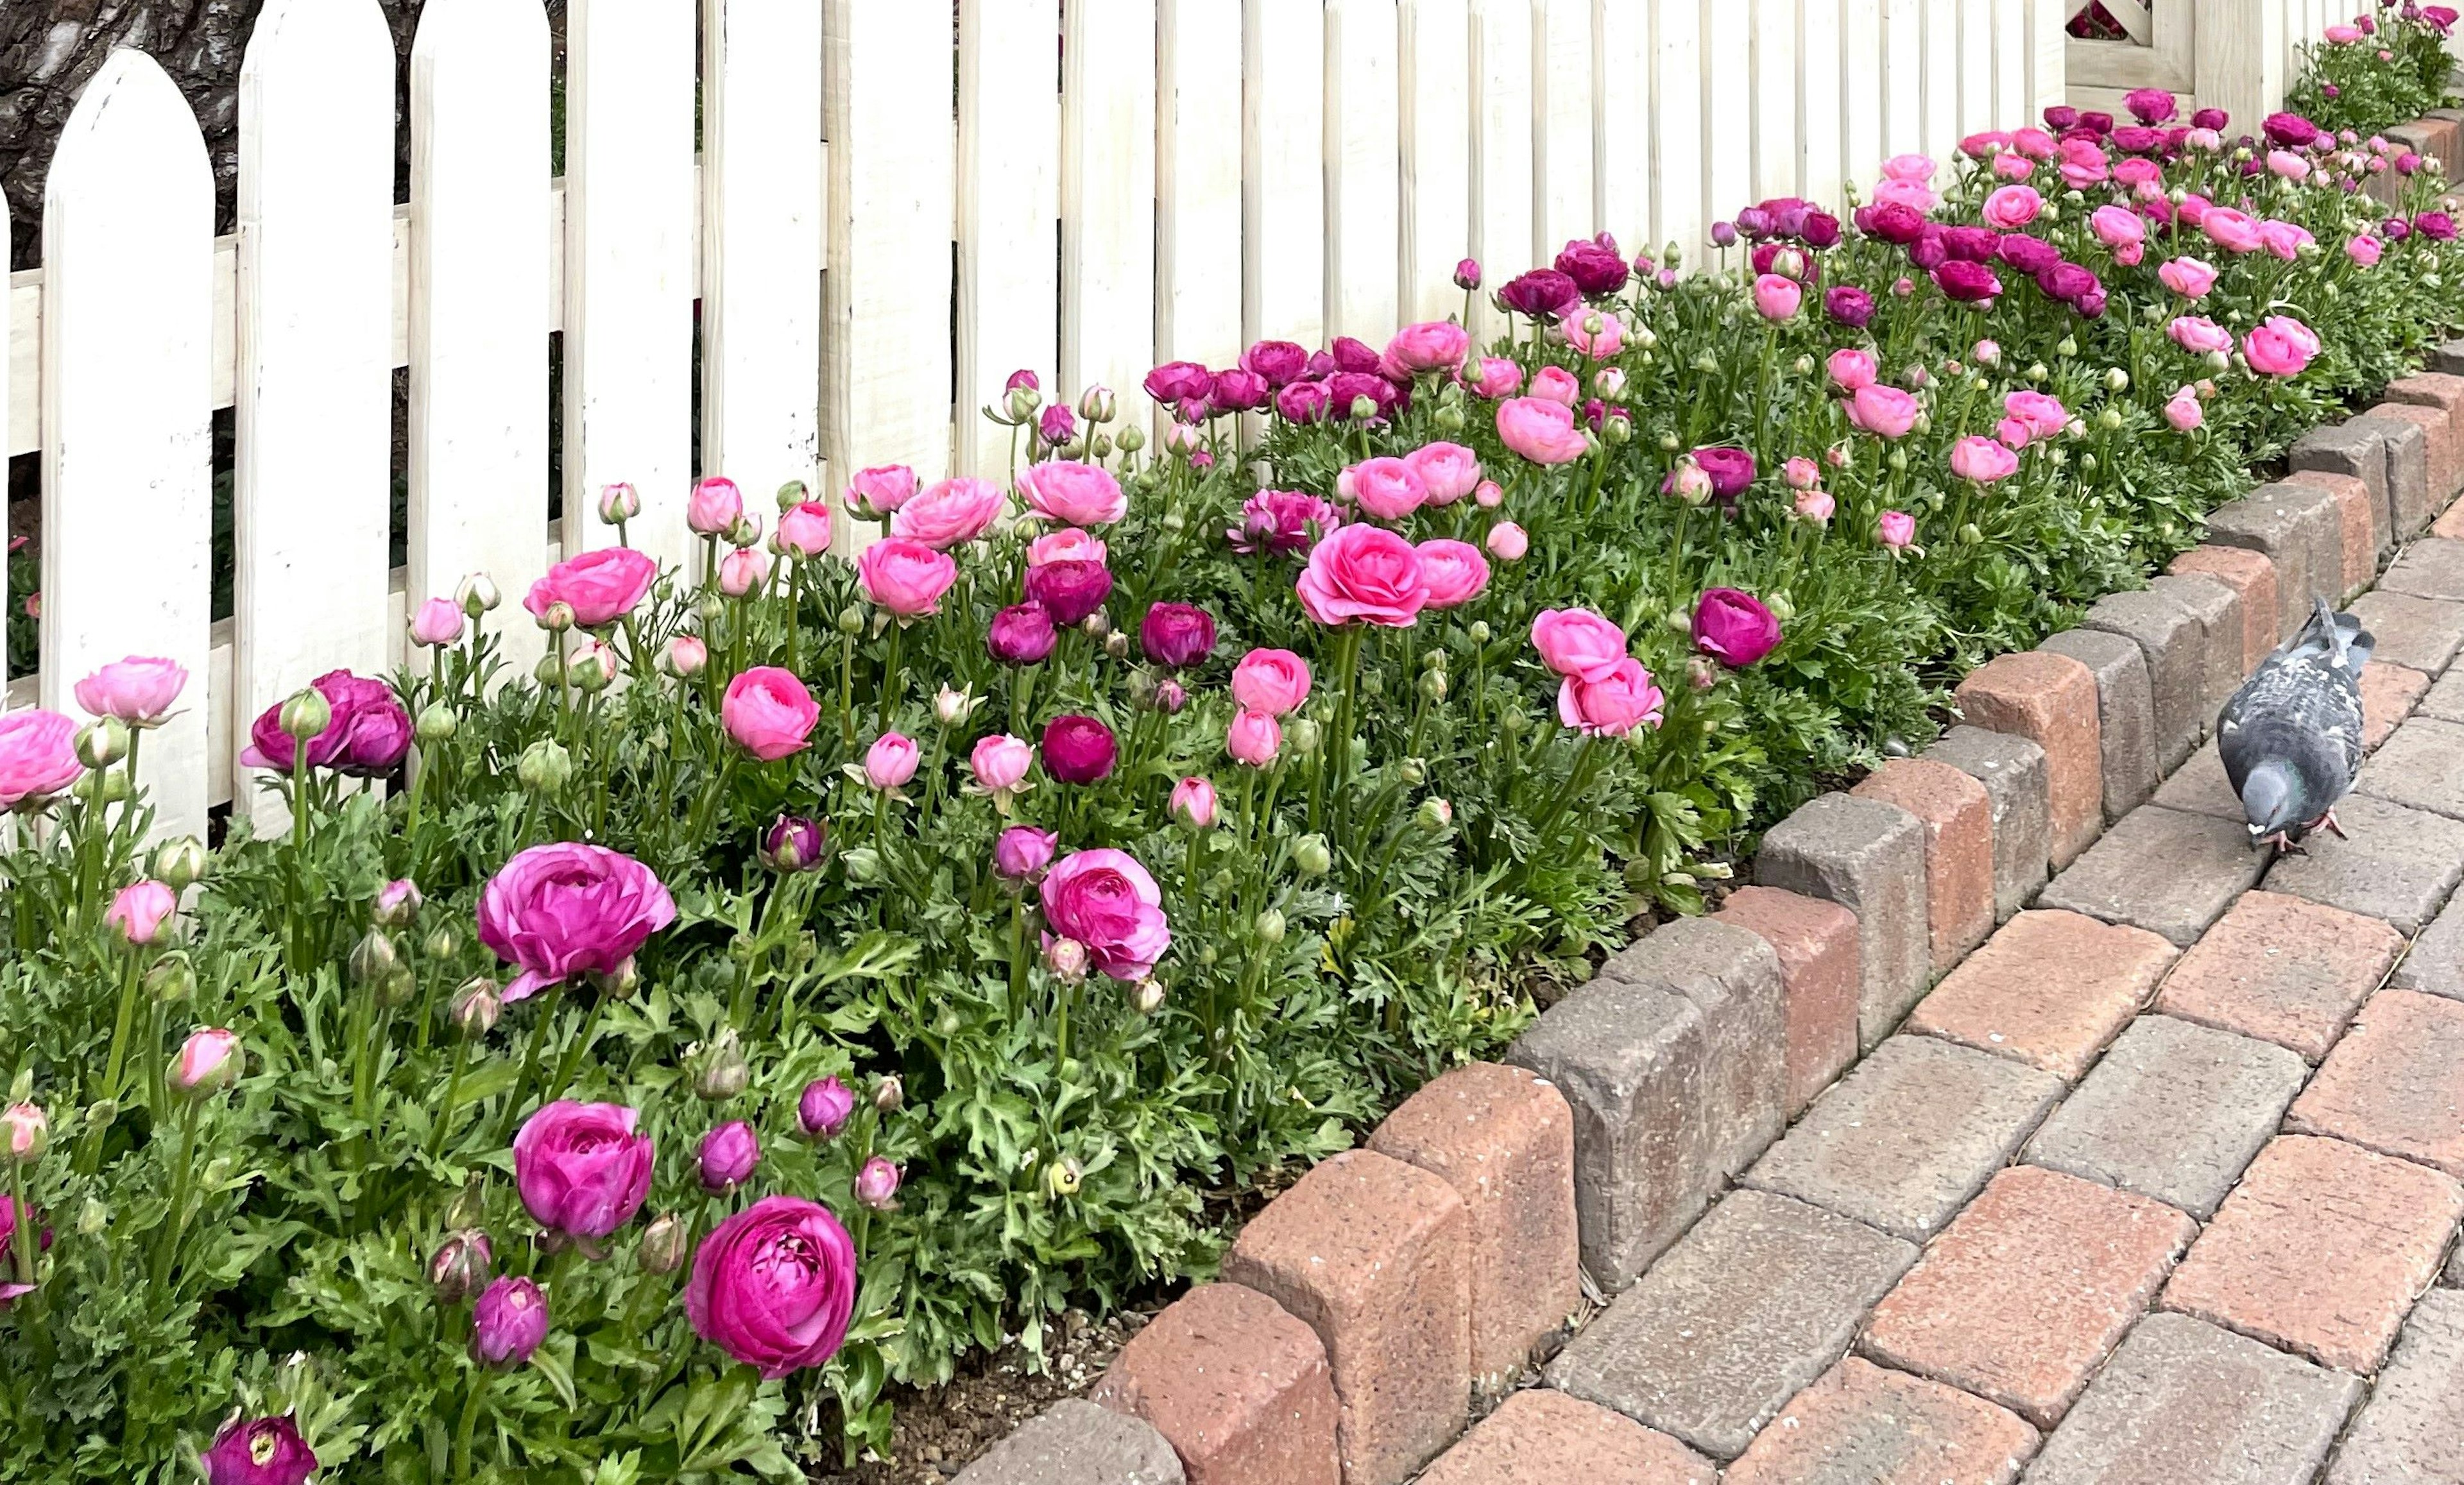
(2389, 691)
(2321, 1249)
(2051, 701)
(2249, 574)
(1370, 1253)
(1541, 1436)
(1863, 1424)
(2450, 525)
(2283, 970)
(2021, 1297)
(2430, 389)
(2446, 439)
(2048, 990)
(1239, 1388)
(1958, 817)
(1816, 942)
(2395, 1083)
(2361, 519)
(1504, 1139)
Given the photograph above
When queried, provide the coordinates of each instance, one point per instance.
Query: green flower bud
(1434, 816)
(181, 863)
(1146, 996)
(1270, 926)
(103, 742)
(1413, 771)
(171, 978)
(443, 942)
(851, 621)
(1132, 439)
(1302, 735)
(724, 1071)
(889, 1094)
(1311, 856)
(94, 1218)
(1450, 419)
(544, 767)
(665, 1244)
(373, 958)
(2067, 347)
(1063, 1177)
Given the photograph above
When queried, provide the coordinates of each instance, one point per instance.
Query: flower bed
(825, 967)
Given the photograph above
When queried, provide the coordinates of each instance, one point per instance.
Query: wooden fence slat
(1772, 52)
(312, 492)
(1107, 174)
(2048, 56)
(1501, 184)
(1008, 211)
(628, 268)
(1865, 99)
(1561, 161)
(1362, 166)
(1676, 131)
(1624, 147)
(2011, 100)
(1903, 77)
(1728, 109)
(1976, 111)
(1283, 171)
(1941, 127)
(761, 243)
(1819, 63)
(1197, 181)
(128, 227)
(1435, 80)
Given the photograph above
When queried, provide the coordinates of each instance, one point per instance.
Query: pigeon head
(2275, 799)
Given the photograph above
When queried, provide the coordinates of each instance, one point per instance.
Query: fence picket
(1435, 73)
(1976, 111)
(1197, 181)
(2011, 100)
(1008, 213)
(1561, 82)
(2048, 53)
(1625, 146)
(1503, 220)
(313, 492)
(1362, 162)
(1864, 99)
(128, 223)
(1903, 76)
(1676, 131)
(761, 243)
(1108, 107)
(1728, 109)
(1819, 65)
(1941, 128)
(1772, 26)
(1283, 171)
(628, 268)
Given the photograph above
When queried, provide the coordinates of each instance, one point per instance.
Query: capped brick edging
(1363, 1311)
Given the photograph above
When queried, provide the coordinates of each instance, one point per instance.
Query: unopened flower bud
(824, 1108)
(544, 767)
(397, 903)
(1270, 926)
(724, 1071)
(2117, 380)
(180, 863)
(1117, 644)
(888, 1094)
(1095, 404)
(437, 722)
(1131, 439)
(951, 708)
(171, 979)
(477, 595)
(793, 493)
(1434, 815)
(557, 617)
(372, 958)
(24, 1133)
(1095, 625)
(876, 1185)
(1433, 684)
(206, 1063)
(1310, 854)
(93, 1219)
(1022, 402)
(618, 503)
(1063, 1176)
(665, 1244)
(103, 742)
(1701, 673)
(475, 1007)
(442, 942)
(1146, 996)
(461, 1266)
(1066, 959)
(1302, 735)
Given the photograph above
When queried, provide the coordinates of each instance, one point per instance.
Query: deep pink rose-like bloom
(1352, 353)
(569, 907)
(37, 755)
(1068, 590)
(581, 1168)
(1849, 305)
(138, 910)
(728, 1155)
(1734, 627)
(1595, 266)
(1176, 636)
(1079, 749)
(2189, 278)
(1893, 222)
(1195, 803)
(769, 711)
(1578, 642)
(508, 1322)
(1895, 529)
(2279, 346)
(1447, 471)
(1021, 634)
(773, 1285)
(1236, 390)
(1614, 705)
(1283, 521)
(1541, 430)
(1543, 292)
(2150, 106)
(1731, 470)
(1021, 852)
(1074, 494)
(1304, 402)
(905, 576)
(999, 762)
(1454, 572)
(260, 1452)
(1365, 572)
(1966, 282)
(1347, 389)
(1279, 362)
(600, 587)
(945, 514)
(367, 736)
(1970, 244)
(140, 691)
(1104, 900)
(1388, 489)
(2288, 131)
(1982, 460)
(1433, 345)
(1883, 412)
(1272, 681)
(2199, 335)
(1178, 381)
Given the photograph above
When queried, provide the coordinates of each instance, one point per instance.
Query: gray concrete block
(1073, 1442)
(2434, 964)
(2431, 568)
(2420, 765)
(2413, 1428)
(2296, 527)
(2163, 870)
(2125, 709)
(2448, 357)
(2218, 610)
(1757, 1302)
(2200, 787)
(2422, 634)
(2445, 700)
(1731, 974)
(2345, 449)
(2173, 1111)
(2012, 770)
(2184, 1403)
(2399, 864)
(1909, 1135)
(2174, 643)
(1869, 858)
(2409, 499)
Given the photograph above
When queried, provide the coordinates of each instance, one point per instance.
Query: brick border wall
(1360, 1314)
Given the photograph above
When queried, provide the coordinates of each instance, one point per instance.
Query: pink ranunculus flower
(1254, 738)
(948, 512)
(1734, 627)
(600, 587)
(1272, 681)
(1578, 642)
(1388, 489)
(1282, 522)
(774, 1286)
(999, 762)
(1612, 705)
(1021, 852)
(805, 530)
(1852, 369)
(1777, 298)
(1068, 544)
(1074, 494)
(1910, 167)
(2043, 414)
(1492, 376)
(1541, 430)
(438, 622)
(2199, 335)
(2081, 163)
(2015, 433)
(138, 910)
(1895, 529)
(769, 713)
(2364, 251)
(2118, 227)
(2279, 346)
(2183, 410)
(881, 490)
(891, 761)
(713, 506)
(1432, 345)
(1104, 900)
(581, 1168)
(508, 1322)
(1915, 195)
(1816, 506)
(37, 756)
(742, 571)
(1454, 572)
(2011, 207)
(1447, 471)
(2284, 164)
(140, 691)
(2011, 167)
(2234, 231)
(1557, 384)
(2138, 172)
(1883, 412)
(2285, 239)
(207, 1060)
(1801, 473)
(569, 907)
(1597, 336)
(905, 576)
(259, 1452)
(1982, 460)
(1364, 573)
(368, 733)
(1506, 541)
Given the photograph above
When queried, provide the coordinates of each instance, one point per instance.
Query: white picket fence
(1118, 183)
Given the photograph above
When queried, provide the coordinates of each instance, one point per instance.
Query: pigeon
(2291, 737)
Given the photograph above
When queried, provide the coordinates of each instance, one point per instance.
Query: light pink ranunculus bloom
(1985, 142)
(2198, 334)
(1454, 571)
(875, 493)
(743, 570)
(1104, 900)
(1387, 488)
(37, 755)
(2279, 346)
(2287, 165)
(1272, 681)
(140, 691)
(1595, 335)
(1557, 384)
(1541, 430)
(2138, 170)
(2364, 251)
(138, 909)
(1910, 167)
(769, 713)
(1432, 345)
(1254, 738)
(2234, 231)
(2013, 166)
(1816, 506)
(1074, 494)
(2183, 410)
(1982, 460)
(2014, 433)
(2193, 207)
(1068, 544)
(1915, 195)
(1578, 642)
(712, 507)
(1612, 705)
(2118, 227)
(210, 1059)
(2081, 162)
(600, 587)
(438, 622)
(1777, 298)
(2010, 208)
(1895, 530)
(1366, 574)
(2033, 142)
(1195, 803)
(1492, 376)
(2285, 239)
(949, 512)
(999, 762)
(907, 577)
(891, 761)
(2342, 34)
(1508, 542)
(2042, 413)
(1852, 368)
(1447, 471)
(1801, 473)
(805, 530)
(1883, 412)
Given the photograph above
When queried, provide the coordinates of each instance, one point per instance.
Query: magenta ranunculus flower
(1068, 590)
(2279, 346)
(824, 1107)
(1176, 636)
(773, 1285)
(259, 1452)
(1578, 642)
(1279, 362)
(1074, 494)
(1614, 705)
(1454, 572)
(1104, 900)
(1283, 521)
(728, 1155)
(1966, 282)
(1364, 573)
(581, 1168)
(1542, 292)
(600, 587)
(1272, 681)
(37, 756)
(945, 514)
(905, 576)
(368, 734)
(569, 907)
(1303, 401)
(1848, 305)
(1236, 390)
(1023, 634)
(1079, 749)
(769, 713)
(140, 691)
(508, 1323)
(1541, 430)
(1734, 627)
(1731, 470)
(1388, 489)
(2028, 254)
(2150, 106)
(1852, 368)
(1982, 460)
(1021, 852)
(1595, 266)
(1895, 223)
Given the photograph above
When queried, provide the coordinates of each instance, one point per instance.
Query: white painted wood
(1197, 181)
(1503, 152)
(2048, 78)
(1865, 103)
(313, 490)
(1561, 123)
(480, 308)
(1903, 76)
(1821, 64)
(1976, 106)
(7, 359)
(2010, 51)
(1107, 174)
(1941, 81)
(629, 265)
(128, 223)
(1624, 150)
(1771, 27)
(1728, 108)
(761, 243)
(1676, 133)
(1008, 214)
(1283, 171)
(1363, 161)
(1434, 86)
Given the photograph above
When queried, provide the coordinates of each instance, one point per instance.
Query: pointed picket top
(128, 223)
